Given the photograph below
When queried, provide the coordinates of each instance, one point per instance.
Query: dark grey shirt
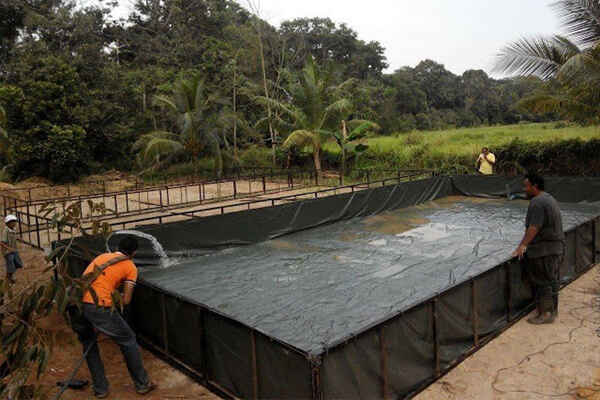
(544, 213)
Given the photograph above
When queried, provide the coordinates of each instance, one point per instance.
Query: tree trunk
(235, 149)
(343, 164)
(344, 136)
(264, 73)
(317, 160)
(144, 98)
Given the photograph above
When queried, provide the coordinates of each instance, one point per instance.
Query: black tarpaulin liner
(204, 235)
(317, 287)
(521, 293)
(455, 331)
(409, 337)
(354, 371)
(338, 271)
(181, 319)
(564, 189)
(278, 364)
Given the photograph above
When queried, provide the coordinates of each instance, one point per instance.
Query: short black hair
(128, 245)
(536, 180)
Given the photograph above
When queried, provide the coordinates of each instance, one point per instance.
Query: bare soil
(67, 352)
(559, 361)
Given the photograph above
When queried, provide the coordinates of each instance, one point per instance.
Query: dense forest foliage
(81, 89)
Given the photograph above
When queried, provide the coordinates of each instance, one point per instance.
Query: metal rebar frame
(43, 231)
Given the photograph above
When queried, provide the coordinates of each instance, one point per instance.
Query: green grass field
(458, 146)
(441, 150)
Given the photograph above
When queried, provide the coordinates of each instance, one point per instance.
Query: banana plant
(350, 132)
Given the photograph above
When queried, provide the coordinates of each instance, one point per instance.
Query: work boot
(545, 318)
(101, 395)
(146, 389)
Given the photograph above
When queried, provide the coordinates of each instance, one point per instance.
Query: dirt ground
(171, 383)
(558, 361)
(148, 202)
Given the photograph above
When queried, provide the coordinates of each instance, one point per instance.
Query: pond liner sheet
(336, 297)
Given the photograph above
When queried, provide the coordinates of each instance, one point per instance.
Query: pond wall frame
(396, 357)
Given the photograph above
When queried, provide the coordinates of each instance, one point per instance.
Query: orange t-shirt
(110, 279)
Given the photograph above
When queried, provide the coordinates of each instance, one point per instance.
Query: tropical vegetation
(82, 89)
(570, 63)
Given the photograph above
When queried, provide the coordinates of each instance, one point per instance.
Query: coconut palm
(315, 107)
(573, 60)
(197, 122)
(547, 57)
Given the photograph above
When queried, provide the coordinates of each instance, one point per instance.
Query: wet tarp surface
(314, 288)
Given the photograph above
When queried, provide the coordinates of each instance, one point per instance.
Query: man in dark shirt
(543, 246)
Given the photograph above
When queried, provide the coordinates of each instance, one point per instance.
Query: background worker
(486, 162)
(116, 269)
(8, 243)
(543, 248)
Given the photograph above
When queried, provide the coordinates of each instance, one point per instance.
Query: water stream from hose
(165, 261)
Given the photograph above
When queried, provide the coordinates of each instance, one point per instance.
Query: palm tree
(572, 60)
(316, 105)
(197, 122)
(546, 57)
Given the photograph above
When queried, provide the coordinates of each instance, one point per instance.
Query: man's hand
(520, 252)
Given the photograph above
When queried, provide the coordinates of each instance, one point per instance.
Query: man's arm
(491, 159)
(530, 234)
(129, 284)
(128, 287)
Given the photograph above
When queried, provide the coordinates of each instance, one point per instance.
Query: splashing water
(165, 261)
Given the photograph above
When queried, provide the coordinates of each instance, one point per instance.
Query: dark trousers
(13, 262)
(112, 324)
(544, 275)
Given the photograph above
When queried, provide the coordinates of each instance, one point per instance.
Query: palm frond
(583, 68)
(158, 147)
(342, 87)
(541, 56)
(143, 140)
(339, 106)
(280, 106)
(547, 103)
(302, 138)
(164, 101)
(581, 19)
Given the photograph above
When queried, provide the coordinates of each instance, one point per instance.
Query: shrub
(413, 138)
(59, 153)
(561, 125)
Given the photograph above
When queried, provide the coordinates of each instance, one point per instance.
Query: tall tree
(195, 113)
(317, 104)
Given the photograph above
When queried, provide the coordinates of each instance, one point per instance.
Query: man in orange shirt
(112, 270)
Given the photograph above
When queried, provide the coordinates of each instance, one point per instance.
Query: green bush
(413, 138)
(256, 156)
(561, 125)
(59, 153)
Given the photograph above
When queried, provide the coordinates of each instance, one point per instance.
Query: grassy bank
(459, 148)
(555, 148)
